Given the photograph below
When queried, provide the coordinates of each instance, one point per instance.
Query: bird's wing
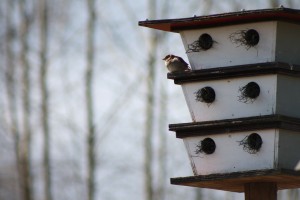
(181, 60)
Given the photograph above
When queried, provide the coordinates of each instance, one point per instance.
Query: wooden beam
(184, 130)
(248, 70)
(261, 191)
(240, 17)
(235, 181)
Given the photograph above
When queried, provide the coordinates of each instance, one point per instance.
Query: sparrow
(175, 63)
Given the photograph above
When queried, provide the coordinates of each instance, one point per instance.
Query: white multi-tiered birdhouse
(243, 94)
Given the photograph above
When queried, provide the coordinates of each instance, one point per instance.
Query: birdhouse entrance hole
(207, 146)
(204, 43)
(252, 143)
(249, 92)
(248, 38)
(206, 95)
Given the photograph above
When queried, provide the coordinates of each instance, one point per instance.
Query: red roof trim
(175, 25)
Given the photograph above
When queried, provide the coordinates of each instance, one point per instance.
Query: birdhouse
(243, 96)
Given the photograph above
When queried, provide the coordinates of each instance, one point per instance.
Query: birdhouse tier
(241, 91)
(246, 37)
(245, 144)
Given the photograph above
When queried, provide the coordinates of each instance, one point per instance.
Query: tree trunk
(43, 8)
(162, 153)
(274, 3)
(10, 82)
(148, 138)
(89, 99)
(149, 131)
(25, 144)
(293, 194)
(199, 195)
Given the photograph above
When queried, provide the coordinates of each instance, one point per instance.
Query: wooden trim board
(235, 182)
(235, 125)
(244, 16)
(235, 71)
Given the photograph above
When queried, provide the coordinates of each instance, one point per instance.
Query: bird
(175, 63)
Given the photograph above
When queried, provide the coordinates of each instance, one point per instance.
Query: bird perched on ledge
(175, 63)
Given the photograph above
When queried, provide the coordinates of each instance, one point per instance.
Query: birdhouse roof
(245, 16)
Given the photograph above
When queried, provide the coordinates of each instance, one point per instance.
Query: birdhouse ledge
(234, 182)
(235, 71)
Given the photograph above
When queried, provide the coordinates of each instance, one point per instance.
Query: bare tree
(10, 80)
(162, 118)
(274, 3)
(162, 153)
(25, 143)
(148, 138)
(43, 8)
(292, 194)
(89, 98)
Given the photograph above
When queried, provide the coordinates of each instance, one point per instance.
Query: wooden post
(260, 191)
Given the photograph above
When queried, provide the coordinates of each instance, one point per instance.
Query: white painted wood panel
(289, 148)
(288, 96)
(225, 53)
(226, 104)
(229, 156)
(287, 43)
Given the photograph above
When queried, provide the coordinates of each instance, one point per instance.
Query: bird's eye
(166, 57)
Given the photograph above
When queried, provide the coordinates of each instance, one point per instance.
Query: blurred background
(85, 103)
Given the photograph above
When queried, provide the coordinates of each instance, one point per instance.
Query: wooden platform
(235, 182)
(234, 125)
(235, 71)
